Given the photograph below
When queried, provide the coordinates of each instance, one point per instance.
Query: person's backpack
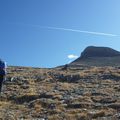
(2, 68)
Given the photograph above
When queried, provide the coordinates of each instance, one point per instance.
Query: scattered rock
(104, 100)
(114, 105)
(45, 95)
(79, 105)
(94, 114)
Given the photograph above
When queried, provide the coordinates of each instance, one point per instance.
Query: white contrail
(72, 30)
(81, 31)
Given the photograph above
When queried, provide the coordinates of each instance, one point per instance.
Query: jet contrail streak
(81, 31)
(73, 30)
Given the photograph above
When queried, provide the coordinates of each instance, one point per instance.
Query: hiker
(2, 73)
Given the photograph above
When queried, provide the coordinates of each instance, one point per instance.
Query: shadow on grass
(28, 98)
(23, 99)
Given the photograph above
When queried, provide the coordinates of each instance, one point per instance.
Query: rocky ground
(83, 93)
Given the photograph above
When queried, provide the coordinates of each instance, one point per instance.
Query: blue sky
(43, 33)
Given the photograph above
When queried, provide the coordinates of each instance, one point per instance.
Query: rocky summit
(93, 51)
(98, 56)
(84, 93)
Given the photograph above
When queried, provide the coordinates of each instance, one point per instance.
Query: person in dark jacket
(3, 67)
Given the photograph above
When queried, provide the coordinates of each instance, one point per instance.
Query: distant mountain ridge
(93, 51)
(98, 56)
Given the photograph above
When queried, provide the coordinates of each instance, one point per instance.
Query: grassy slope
(38, 93)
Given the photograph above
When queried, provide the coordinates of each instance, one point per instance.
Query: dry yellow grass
(32, 98)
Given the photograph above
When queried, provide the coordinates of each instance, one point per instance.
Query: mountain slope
(56, 94)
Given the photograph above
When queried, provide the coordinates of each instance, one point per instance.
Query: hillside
(84, 93)
(98, 56)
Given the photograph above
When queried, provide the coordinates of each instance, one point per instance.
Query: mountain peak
(93, 51)
(98, 56)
